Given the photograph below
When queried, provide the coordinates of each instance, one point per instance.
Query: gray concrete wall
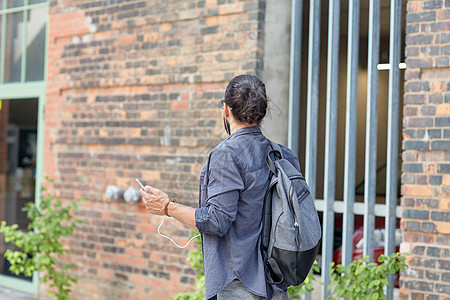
(276, 68)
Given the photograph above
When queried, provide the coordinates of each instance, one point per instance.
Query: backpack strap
(274, 270)
(276, 149)
(277, 154)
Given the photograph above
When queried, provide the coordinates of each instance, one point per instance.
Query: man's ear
(227, 111)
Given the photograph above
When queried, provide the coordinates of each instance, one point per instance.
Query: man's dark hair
(246, 96)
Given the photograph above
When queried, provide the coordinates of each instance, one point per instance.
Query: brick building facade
(426, 155)
(133, 92)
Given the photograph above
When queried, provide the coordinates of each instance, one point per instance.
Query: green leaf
(330, 286)
(359, 269)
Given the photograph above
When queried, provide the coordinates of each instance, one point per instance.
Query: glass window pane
(36, 28)
(36, 1)
(15, 3)
(18, 135)
(13, 49)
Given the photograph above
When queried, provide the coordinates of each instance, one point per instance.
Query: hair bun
(246, 94)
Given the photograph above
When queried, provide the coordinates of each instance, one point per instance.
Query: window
(23, 27)
(23, 43)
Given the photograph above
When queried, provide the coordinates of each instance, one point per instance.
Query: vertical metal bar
(371, 127)
(393, 127)
(41, 123)
(41, 137)
(312, 96)
(24, 43)
(294, 74)
(3, 44)
(46, 45)
(39, 163)
(350, 130)
(330, 141)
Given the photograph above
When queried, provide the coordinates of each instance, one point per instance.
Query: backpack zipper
(291, 204)
(291, 197)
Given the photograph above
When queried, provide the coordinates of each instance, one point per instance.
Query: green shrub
(41, 243)
(364, 280)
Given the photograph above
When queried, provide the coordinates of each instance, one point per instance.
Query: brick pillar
(426, 156)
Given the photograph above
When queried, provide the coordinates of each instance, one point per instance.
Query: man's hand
(154, 200)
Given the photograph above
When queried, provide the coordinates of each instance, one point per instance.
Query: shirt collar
(246, 130)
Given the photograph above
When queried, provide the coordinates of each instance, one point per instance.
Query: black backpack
(291, 229)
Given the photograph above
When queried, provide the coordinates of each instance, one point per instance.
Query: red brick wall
(132, 92)
(426, 155)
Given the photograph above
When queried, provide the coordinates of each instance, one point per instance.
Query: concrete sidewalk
(8, 294)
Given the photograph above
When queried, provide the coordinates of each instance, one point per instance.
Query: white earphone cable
(165, 236)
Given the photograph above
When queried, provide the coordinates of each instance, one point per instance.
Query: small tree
(41, 243)
(363, 280)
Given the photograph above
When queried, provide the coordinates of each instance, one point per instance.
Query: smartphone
(140, 183)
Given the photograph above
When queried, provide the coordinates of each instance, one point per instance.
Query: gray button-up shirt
(233, 183)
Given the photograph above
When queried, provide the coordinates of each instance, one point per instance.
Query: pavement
(9, 294)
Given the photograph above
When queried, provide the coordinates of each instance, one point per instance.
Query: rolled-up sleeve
(223, 188)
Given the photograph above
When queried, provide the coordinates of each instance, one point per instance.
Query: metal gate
(329, 205)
